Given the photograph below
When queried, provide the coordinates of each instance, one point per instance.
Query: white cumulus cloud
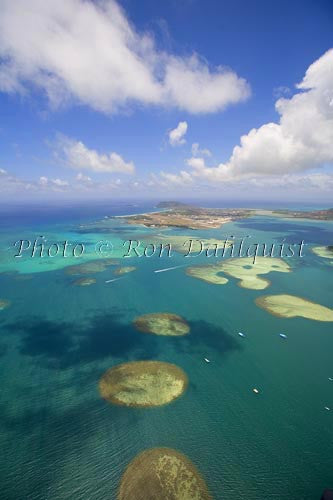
(54, 184)
(180, 179)
(301, 140)
(83, 178)
(88, 52)
(76, 155)
(191, 86)
(177, 135)
(197, 151)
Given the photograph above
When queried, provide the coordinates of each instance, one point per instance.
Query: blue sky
(90, 93)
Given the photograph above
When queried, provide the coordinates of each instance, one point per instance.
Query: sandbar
(290, 306)
(243, 269)
(325, 252)
(210, 274)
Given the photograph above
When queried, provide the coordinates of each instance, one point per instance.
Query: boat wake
(114, 279)
(167, 269)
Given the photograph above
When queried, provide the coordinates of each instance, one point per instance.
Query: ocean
(60, 440)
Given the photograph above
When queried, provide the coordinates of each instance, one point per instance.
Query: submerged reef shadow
(108, 335)
(41, 337)
(64, 344)
(204, 334)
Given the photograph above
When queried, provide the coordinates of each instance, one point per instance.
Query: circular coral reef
(4, 304)
(290, 306)
(162, 324)
(162, 473)
(85, 282)
(143, 384)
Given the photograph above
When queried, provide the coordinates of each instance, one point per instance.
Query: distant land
(174, 204)
(326, 214)
(178, 214)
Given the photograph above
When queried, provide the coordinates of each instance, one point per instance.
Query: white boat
(330, 378)
(241, 334)
(283, 336)
(327, 408)
(255, 390)
(207, 360)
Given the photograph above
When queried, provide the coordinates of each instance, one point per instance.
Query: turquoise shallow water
(60, 440)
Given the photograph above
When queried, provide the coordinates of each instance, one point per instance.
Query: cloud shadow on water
(64, 344)
(205, 335)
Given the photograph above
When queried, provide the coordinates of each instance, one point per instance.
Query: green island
(162, 473)
(162, 324)
(290, 306)
(243, 269)
(143, 384)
